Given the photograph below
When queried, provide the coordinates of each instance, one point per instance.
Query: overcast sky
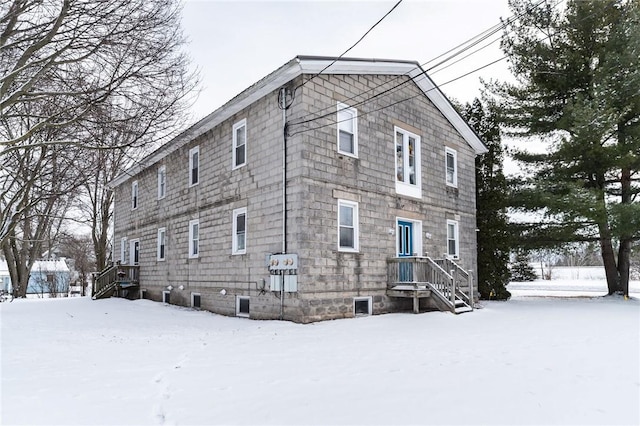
(236, 43)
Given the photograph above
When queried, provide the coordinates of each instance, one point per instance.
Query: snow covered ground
(532, 360)
(570, 282)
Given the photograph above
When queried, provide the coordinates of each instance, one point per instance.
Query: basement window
(166, 297)
(143, 293)
(242, 306)
(195, 300)
(362, 306)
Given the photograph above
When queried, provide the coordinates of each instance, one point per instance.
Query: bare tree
(49, 178)
(80, 250)
(82, 64)
(96, 204)
(103, 79)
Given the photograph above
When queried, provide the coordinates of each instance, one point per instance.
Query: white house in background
(49, 276)
(5, 279)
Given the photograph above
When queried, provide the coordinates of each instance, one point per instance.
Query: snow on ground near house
(531, 360)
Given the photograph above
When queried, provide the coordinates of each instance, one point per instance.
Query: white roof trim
(310, 65)
(442, 103)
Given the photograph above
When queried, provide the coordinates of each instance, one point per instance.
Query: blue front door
(405, 249)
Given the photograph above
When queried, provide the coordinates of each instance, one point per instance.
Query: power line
(412, 79)
(354, 45)
(391, 89)
(483, 36)
(465, 56)
(468, 44)
(402, 100)
(492, 30)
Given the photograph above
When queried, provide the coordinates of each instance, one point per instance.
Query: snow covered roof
(54, 265)
(312, 65)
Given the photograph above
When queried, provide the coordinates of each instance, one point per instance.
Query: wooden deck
(115, 278)
(422, 277)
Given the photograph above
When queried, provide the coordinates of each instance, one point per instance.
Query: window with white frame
(134, 194)
(194, 238)
(240, 144)
(162, 182)
(239, 244)
(162, 241)
(453, 244)
(134, 251)
(407, 154)
(347, 130)
(347, 226)
(194, 166)
(362, 305)
(196, 300)
(451, 166)
(242, 306)
(123, 250)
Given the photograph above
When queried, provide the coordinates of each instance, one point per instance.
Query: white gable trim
(442, 103)
(310, 65)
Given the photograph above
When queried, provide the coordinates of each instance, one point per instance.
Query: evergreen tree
(522, 269)
(578, 88)
(491, 205)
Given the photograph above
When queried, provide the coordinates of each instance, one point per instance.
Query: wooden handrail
(462, 279)
(116, 274)
(444, 276)
(422, 271)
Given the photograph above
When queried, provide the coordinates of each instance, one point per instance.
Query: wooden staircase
(448, 285)
(113, 279)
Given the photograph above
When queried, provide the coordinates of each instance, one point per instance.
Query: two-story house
(307, 197)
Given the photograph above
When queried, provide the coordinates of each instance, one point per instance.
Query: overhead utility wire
(465, 57)
(412, 97)
(354, 45)
(401, 100)
(497, 28)
(389, 90)
(492, 29)
(471, 43)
